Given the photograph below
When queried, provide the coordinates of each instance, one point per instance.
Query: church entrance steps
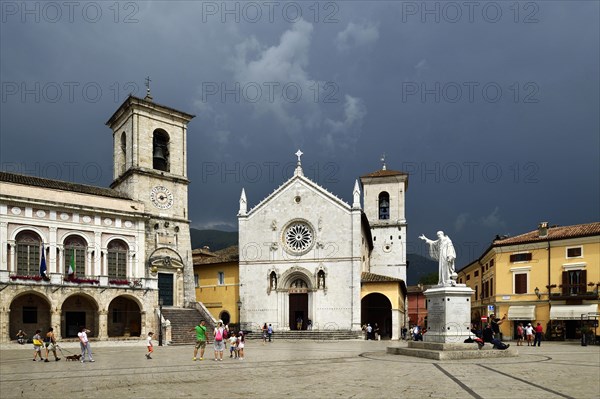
(329, 335)
(452, 351)
(182, 321)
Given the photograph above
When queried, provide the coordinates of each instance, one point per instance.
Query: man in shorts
(200, 339)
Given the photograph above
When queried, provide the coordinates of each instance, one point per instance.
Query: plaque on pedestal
(448, 314)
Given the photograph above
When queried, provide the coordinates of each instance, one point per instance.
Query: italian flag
(72, 265)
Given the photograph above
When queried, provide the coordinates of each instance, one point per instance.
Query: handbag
(37, 342)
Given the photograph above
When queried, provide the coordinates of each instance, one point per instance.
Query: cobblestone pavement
(339, 369)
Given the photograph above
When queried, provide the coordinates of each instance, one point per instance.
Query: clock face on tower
(161, 197)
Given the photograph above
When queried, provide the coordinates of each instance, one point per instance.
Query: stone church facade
(111, 254)
(305, 254)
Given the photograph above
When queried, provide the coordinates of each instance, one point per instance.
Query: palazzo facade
(73, 255)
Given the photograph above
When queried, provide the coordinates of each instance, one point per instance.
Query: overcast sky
(492, 107)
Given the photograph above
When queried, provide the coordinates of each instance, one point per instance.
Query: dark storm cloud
(492, 109)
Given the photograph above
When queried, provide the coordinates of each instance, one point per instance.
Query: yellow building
(216, 277)
(550, 275)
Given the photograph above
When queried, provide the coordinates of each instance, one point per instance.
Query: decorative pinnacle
(298, 171)
(148, 95)
(383, 167)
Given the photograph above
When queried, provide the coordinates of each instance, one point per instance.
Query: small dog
(73, 358)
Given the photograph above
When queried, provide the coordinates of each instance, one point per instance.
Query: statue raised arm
(443, 251)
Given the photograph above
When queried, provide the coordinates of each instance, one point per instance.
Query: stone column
(61, 261)
(4, 324)
(88, 262)
(52, 266)
(103, 325)
(3, 251)
(55, 321)
(13, 262)
(396, 323)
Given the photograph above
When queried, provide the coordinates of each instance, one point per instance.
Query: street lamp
(239, 306)
(160, 332)
(537, 292)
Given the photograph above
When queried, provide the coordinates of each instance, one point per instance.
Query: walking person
(539, 331)
(37, 345)
(377, 332)
(50, 343)
(219, 345)
(520, 332)
(270, 332)
(529, 334)
(149, 345)
(84, 343)
(200, 330)
(240, 345)
(233, 345)
(264, 333)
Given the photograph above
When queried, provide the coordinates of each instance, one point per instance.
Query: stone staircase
(182, 321)
(314, 335)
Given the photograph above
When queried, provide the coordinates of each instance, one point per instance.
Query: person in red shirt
(538, 334)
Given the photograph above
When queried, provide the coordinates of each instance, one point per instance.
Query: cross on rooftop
(299, 154)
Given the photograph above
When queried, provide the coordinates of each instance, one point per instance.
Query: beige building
(550, 275)
(111, 255)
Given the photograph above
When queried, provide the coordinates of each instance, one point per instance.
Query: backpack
(219, 334)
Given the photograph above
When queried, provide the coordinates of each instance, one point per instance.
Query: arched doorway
(124, 318)
(377, 308)
(29, 312)
(225, 316)
(79, 311)
(298, 304)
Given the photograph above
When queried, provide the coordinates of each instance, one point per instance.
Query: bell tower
(384, 206)
(150, 165)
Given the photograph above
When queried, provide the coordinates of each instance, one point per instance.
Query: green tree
(429, 278)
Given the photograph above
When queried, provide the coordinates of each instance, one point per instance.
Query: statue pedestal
(448, 314)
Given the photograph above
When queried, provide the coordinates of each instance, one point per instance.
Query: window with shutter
(524, 257)
(520, 283)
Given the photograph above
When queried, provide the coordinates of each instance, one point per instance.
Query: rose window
(298, 237)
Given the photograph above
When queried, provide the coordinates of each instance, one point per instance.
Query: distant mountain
(214, 239)
(418, 267)
(217, 239)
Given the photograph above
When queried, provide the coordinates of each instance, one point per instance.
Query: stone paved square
(294, 369)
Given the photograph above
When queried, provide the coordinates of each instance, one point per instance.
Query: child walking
(149, 345)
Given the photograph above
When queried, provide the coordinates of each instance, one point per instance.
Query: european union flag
(43, 263)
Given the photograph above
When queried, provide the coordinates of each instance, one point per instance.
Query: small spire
(298, 171)
(243, 204)
(148, 95)
(383, 167)
(356, 195)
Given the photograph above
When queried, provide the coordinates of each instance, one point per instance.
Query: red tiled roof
(367, 277)
(60, 185)
(384, 173)
(554, 233)
(229, 254)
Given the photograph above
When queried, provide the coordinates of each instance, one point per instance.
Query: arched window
(28, 253)
(117, 259)
(160, 150)
(123, 156)
(384, 205)
(75, 256)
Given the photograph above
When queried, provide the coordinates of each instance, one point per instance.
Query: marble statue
(443, 251)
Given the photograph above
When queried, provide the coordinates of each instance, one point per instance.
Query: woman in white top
(529, 334)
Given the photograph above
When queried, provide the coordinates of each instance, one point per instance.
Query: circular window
(298, 199)
(298, 237)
